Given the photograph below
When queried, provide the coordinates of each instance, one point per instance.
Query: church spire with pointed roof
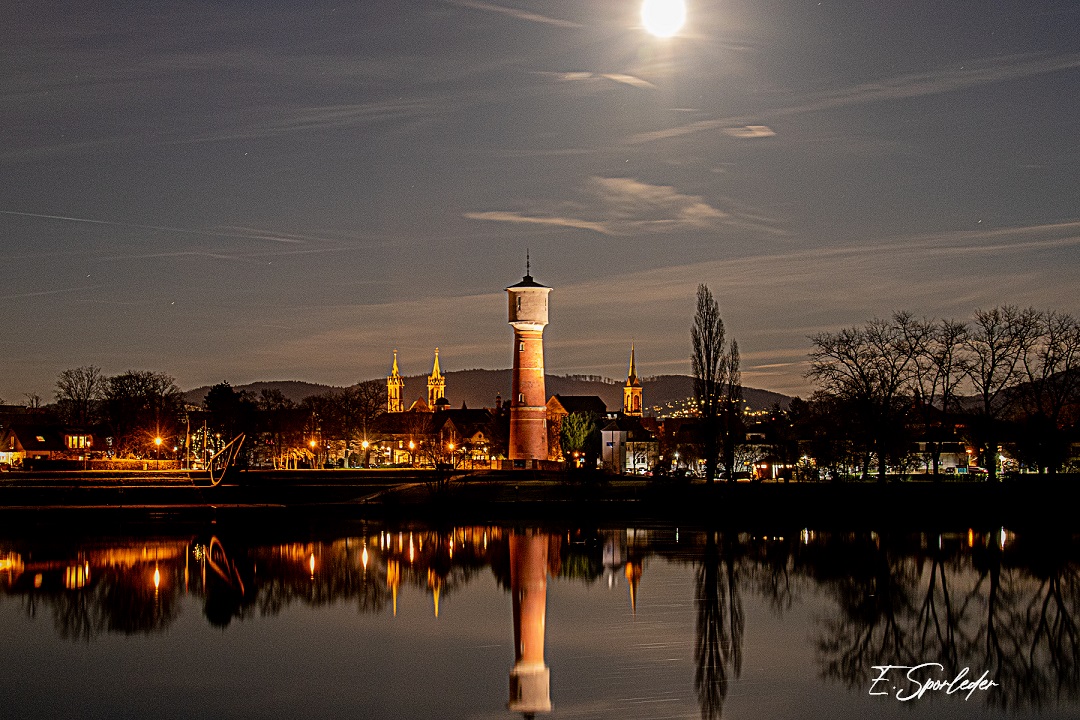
(632, 390)
(395, 385)
(436, 384)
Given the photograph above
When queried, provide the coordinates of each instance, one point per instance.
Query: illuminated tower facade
(530, 678)
(395, 385)
(631, 394)
(436, 384)
(528, 400)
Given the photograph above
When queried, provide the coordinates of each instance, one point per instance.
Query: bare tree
(79, 392)
(995, 347)
(1051, 372)
(938, 370)
(870, 367)
(712, 365)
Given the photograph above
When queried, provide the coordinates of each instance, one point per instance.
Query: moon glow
(663, 18)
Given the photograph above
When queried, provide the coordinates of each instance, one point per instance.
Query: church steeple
(395, 384)
(436, 384)
(632, 389)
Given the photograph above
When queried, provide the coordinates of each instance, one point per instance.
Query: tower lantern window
(521, 346)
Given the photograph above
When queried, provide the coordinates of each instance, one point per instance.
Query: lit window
(521, 397)
(39, 438)
(521, 347)
(519, 304)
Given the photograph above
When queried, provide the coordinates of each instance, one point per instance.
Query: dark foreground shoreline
(1032, 503)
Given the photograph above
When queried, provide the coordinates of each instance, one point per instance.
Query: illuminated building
(528, 313)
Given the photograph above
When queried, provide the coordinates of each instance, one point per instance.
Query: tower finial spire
(528, 270)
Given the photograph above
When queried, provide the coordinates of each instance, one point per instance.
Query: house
(628, 447)
(20, 443)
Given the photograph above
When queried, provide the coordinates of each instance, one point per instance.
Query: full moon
(663, 18)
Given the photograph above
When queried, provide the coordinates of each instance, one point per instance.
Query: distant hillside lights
(689, 408)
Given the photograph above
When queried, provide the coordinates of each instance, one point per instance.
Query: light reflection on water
(500, 622)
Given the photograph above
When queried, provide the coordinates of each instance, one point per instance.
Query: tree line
(1008, 376)
(134, 408)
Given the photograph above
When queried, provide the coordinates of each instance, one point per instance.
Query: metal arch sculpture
(227, 455)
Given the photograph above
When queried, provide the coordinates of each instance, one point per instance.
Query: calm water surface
(498, 622)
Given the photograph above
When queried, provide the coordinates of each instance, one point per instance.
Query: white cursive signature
(927, 677)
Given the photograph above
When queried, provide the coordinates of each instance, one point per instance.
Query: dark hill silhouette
(295, 390)
(477, 388)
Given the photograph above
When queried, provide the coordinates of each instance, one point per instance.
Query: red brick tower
(528, 401)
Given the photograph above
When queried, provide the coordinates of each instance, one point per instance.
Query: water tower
(528, 400)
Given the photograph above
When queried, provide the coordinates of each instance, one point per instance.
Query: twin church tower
(528, 314)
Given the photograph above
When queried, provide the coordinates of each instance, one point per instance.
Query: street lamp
(157, 447)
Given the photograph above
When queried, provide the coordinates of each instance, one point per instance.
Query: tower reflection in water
(530, 678)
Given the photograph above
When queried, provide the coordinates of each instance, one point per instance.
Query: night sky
(257, 190)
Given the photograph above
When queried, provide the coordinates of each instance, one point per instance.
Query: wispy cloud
(516, 217)
(631, 80)
(514, 12)
(42, 293)
(642, 204)
(402, 113)
(750, 131)
(980, 72)
(235, 234)
(622, 205)
(585, 76)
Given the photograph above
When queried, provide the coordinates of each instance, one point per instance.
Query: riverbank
(534, 497)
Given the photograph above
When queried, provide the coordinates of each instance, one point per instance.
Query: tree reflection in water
(720, 623)
(1011, 612)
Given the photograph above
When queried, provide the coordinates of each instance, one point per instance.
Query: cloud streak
(984, 72)
(42, 293)
(514, 13)
(235, 233)
(554, 221)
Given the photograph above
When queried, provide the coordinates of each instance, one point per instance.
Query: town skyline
(248, 193)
